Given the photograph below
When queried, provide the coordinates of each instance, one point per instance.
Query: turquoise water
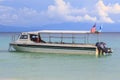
(39, 66)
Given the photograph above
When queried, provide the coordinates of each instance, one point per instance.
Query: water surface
(40, 66)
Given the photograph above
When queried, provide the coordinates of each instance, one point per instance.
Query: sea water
(40, 66)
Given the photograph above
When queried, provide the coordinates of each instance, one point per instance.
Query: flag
(100, 29)
(93, 29)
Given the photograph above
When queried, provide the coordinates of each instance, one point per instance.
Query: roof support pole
(49, 38)
(73, 39)
(61, 37)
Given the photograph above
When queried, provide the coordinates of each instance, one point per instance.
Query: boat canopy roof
(58, 32)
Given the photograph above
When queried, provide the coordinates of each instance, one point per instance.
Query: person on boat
(39, 40)
(36, 38)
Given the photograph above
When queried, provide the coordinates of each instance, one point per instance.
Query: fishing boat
(59, 41)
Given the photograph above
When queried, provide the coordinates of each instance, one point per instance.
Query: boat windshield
(24, 37)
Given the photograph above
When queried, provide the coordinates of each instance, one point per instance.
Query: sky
(46, 12)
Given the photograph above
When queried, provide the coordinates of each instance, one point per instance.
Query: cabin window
(36, 38)
(24, 37)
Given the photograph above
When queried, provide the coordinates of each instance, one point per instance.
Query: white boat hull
(55, 50)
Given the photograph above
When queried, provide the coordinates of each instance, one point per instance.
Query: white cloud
(22, 16)
(114, 9)
(6, 9)
(6, 15)
(60, 11)
(87, 17)
(104, 11)
(66, 12)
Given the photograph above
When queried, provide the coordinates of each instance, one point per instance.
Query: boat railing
(15, 37)
(63, 39)
(71, 38)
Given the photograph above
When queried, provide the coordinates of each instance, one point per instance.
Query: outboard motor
(102, 48)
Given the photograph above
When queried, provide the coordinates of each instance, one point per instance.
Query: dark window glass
(24, 37)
